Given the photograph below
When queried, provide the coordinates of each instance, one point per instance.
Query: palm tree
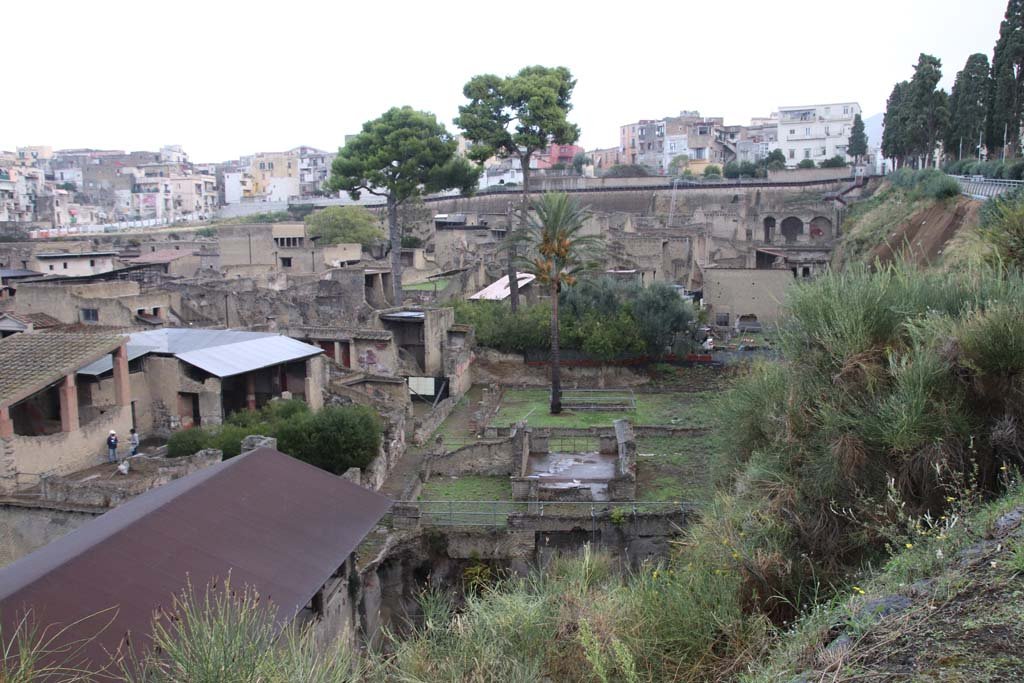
(555, 252)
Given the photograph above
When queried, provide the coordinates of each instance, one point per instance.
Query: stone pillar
(211, 406)
(250, 392)
(68, 404)
(122, 386)
(337, 352)
(6, 425)
(314, 385)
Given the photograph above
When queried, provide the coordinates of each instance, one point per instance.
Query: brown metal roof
(274, 523)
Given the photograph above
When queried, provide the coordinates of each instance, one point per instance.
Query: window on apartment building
(65, 265)
(807, 131)
(263, 166)
(270, 165)
(286, 261)
(822, 151)
(92, 262)
(807, 152)
(90, 315)
(51, 267)
(828, 110)
(792, 131)
(846, 110)
(826, 131)
(722, 319)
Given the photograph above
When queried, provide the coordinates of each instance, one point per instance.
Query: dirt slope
(922, 238)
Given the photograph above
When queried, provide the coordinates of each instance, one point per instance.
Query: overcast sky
(226, 78)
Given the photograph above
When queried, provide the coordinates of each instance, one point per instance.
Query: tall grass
(224, 635)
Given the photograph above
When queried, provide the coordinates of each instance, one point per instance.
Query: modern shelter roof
(222, 353)
(499, 290)
(264, 520)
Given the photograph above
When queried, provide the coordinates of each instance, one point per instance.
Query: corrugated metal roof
(223, 353)
(498, 290)
(234, 359)
(106, 364)
(274, 523)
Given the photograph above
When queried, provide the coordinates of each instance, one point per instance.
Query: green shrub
(711, 170)
(627, 171)
(940, 187)
(228, 438)
(835, 162)
(341, 437)
(345, 224)
(806, 163)
(187, 442)
(1002, 230)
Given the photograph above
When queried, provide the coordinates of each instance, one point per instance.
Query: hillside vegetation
(917, 217)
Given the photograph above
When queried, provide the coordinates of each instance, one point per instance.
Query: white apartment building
(816, 132)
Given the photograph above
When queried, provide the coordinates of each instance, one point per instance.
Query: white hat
(112, 431)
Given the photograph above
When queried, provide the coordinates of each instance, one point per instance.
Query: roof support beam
(68, 391)
(122, 387)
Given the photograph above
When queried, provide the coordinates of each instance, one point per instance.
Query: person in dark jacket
(112, 446)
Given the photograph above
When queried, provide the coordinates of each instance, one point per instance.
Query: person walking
(133, 441)
(112, 446)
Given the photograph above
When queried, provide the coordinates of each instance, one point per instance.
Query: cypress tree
(1006, 94)
(858, 143)
(894, 131)
(928, 114)
(967, 104)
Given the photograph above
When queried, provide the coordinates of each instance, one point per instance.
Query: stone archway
(769, 229)
(820, 229)
(791, 228)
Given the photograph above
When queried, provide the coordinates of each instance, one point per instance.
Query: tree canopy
(403, 154)
(518, 115)
(345, 224)
(515, 117)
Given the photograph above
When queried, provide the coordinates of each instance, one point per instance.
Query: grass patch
(676, 468)
(677, 409)
(428, 286)
(468, 487)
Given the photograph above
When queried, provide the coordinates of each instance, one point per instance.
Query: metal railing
(495, 513)
(985, 188)
(574, 444)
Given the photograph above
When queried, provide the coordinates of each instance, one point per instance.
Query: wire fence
(495, 513)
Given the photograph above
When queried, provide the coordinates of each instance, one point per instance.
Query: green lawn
(470, 487)
(676, 409)
(676, 468)
(428, 286)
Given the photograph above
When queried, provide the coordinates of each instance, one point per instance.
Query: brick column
(68, 405)
(250, 392)
(122, 387)
(6, 426)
